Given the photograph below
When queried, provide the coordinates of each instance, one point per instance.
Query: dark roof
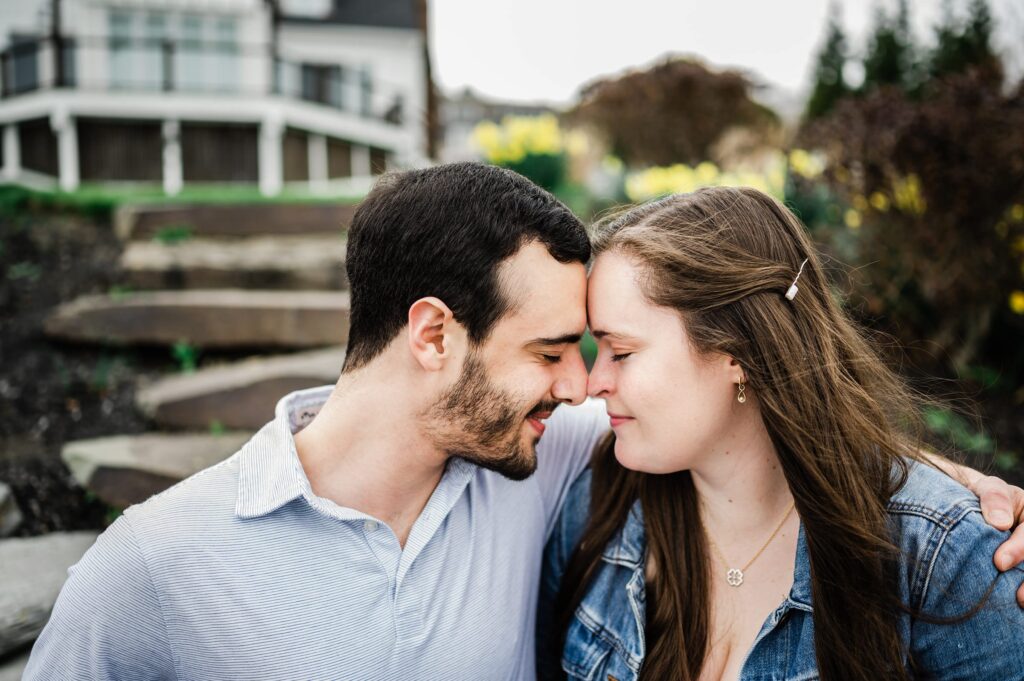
(383, 13)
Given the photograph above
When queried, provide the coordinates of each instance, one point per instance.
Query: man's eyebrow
(565, 339)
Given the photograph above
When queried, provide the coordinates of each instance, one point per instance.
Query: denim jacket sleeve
(567, 532)
(954, 578)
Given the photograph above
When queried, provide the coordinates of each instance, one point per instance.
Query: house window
(323, 83)
(21, 66)
(191, 52)
(120, 32)
(225, 54)
(154, 73)
(365, 93)
(314, 9)
(69, 61)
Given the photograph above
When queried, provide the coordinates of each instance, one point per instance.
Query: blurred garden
(906, 165)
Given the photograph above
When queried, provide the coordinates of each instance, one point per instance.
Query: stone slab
(34, 570)
(239, 395)
(126, 469)
(261, 262)
(206, 318)
(234, 219)
(12, 669)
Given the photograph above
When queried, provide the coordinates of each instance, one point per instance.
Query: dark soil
(52, 393)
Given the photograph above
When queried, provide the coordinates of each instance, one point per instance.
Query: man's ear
(431, 329)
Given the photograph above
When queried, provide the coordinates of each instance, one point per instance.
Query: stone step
(10, 514)
(144, 221)
(206, 318)
(261, 262)
(125, 469)
(13, 668)
(240, 395)
(34, 570)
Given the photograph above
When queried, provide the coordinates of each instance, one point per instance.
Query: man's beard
(479, 422)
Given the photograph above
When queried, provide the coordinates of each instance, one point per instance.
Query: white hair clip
(793, 290)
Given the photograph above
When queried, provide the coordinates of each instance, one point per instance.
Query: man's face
(493, 413)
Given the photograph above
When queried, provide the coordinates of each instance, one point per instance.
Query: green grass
(174, 234)
(99, 201)
(963, 436)
(24, 270)
(186, 356)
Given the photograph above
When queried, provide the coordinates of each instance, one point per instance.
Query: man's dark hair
(443, 232)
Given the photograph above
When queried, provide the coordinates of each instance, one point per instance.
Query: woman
(760, 510)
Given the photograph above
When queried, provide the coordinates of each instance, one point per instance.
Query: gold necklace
(734, 576)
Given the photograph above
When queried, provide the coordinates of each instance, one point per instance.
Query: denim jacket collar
(800, 592)
(627, 549)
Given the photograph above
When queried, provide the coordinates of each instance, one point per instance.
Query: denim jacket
(947, 568)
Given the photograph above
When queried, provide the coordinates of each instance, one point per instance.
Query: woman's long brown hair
(842, 424)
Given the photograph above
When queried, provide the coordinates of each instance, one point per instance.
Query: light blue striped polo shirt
(241, 572)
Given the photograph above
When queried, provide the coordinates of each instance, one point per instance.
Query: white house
(313, 93)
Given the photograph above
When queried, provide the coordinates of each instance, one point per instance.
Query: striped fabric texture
(241, 572)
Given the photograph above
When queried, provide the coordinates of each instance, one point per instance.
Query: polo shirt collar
(270, 474)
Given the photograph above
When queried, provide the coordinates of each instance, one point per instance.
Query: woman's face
(670, 407)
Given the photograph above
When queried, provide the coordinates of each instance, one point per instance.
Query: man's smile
(536, 420)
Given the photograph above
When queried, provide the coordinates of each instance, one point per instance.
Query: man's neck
(363, 451)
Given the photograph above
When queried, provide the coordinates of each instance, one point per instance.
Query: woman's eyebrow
(613, 335)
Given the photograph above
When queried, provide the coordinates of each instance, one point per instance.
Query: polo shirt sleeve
(107, 622)
(564, 452)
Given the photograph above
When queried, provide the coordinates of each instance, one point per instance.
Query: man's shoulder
(201, 500)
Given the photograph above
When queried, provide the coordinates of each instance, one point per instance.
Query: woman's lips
(618, 419)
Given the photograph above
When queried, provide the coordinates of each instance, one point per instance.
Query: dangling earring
(741, 396)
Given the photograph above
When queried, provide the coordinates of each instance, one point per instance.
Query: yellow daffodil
(806, 164)
(907, 196)
(1017, 302)
(681, 179)
(880, 202)
(852, 218)
(518, 136)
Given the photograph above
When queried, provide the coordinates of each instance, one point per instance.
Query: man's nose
(571, 385)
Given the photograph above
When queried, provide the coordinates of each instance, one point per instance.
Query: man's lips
(619, 419)
(536, 421)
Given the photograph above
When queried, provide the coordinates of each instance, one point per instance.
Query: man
(399, 533)
(390, 527)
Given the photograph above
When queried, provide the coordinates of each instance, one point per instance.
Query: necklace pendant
(734, 577)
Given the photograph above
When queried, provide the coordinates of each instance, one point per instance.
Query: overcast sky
(544, 50)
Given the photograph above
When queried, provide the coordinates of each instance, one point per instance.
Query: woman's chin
(631, 457)
(639, 459)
